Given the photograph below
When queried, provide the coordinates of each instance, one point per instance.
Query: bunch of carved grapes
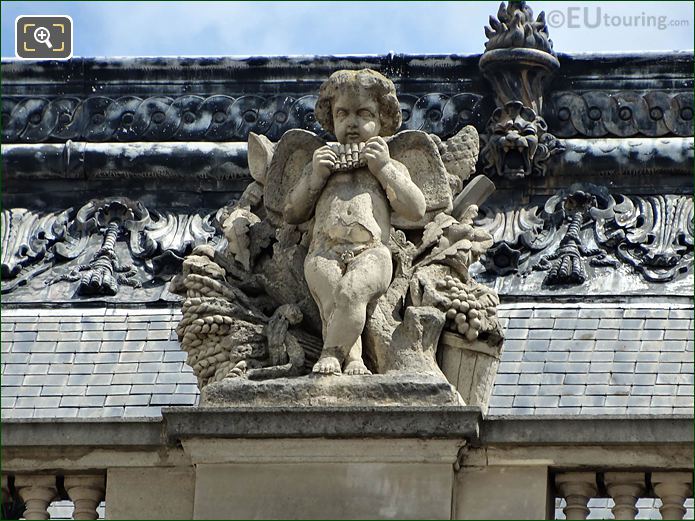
(464, 308)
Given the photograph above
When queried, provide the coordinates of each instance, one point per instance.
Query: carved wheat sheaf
(196, 118)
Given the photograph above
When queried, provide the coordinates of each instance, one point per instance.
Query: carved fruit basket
(469, 366)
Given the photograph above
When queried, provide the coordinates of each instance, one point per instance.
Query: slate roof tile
(531, 356)
(11, 380)
(63, 390)
(557, 360)
(141, 356)
(642, 351)
(134, 378)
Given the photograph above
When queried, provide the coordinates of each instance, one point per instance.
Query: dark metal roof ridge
(350, 56)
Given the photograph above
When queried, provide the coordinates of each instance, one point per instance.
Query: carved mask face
(355, 117)
(514, 140)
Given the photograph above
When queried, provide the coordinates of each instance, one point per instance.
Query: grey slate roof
(595, 359)
(558, 359)
(92, 362)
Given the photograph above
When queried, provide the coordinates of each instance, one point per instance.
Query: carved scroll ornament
(651, 235)
(104, 244)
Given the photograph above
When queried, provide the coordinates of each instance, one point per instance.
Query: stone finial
(518, 61)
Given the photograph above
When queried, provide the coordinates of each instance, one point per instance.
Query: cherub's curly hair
(375, 83)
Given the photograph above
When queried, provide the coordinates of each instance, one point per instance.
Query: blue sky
(276, 28)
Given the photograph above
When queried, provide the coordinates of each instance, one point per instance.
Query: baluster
(37, 492)
(577, 488)
(672, 488)
(6, 497)
(86, 492)
(625, 488)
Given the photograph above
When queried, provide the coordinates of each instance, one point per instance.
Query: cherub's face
(355, 117)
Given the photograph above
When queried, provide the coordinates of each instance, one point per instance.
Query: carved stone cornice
(99, 118)
(568, 114)
(620, 114)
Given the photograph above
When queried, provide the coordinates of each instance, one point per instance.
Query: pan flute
(349, 157)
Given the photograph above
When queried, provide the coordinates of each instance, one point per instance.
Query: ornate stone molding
(104, 245)
(651, 236)
(620, 114)
(222, 118)
(27, 236)
(212, 118)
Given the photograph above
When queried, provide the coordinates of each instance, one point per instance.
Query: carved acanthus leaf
(169, 231)
(27, 235)
(653, 234)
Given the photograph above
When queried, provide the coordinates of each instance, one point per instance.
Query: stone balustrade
(625, 488)
(31, 495)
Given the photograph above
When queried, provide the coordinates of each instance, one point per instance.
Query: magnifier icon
(42, 35)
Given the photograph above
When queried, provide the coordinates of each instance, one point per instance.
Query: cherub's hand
(376, 152)
(324, 159)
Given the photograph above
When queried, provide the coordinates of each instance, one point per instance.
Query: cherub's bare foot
(327, 364)
(356, 367)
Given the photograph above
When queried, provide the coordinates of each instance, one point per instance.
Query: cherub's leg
(353, 363)
(323, 274)
(367, 277)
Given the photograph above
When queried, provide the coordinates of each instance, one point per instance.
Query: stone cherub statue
(348, 264)
(347, 257)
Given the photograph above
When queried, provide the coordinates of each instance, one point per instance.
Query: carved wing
(260, 154)
(460, 154)
(293, 152)
(416, 150)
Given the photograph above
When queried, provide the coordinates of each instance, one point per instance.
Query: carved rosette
(518, 61)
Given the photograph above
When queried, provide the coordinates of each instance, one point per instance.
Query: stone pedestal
(396, 388)
(323, 463)
(322, 479)
(502, 492)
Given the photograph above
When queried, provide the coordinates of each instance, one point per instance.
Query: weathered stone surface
(131, 492)
(470, 366)
(318, 390)
(357, 231)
